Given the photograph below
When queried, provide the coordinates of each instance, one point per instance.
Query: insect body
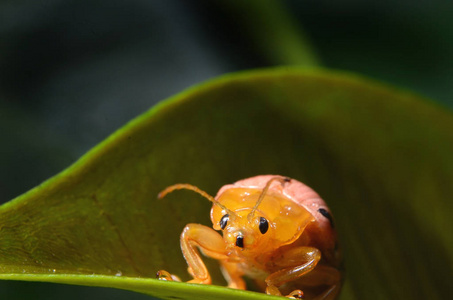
(276, 230)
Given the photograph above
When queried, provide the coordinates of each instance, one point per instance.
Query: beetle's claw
(296, 294)
(164, 275)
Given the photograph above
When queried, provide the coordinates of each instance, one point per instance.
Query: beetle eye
(223, 222)
(264, 225)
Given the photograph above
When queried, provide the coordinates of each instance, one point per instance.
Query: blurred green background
(72, 72)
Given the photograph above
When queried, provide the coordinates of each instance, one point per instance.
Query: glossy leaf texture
(380, 157)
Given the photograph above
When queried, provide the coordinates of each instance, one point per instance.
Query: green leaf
(272, 31)
(381, 158)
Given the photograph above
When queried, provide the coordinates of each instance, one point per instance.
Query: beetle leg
(233, 275)
(209, 242)
(331, 293)
(292, 269)
(325, 275)
(164, 275)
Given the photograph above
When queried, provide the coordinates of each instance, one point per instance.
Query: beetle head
(243, 234)
(259, 221)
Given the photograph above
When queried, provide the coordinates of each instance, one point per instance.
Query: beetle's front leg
(290, 262)
(209, 242)
(233, 275)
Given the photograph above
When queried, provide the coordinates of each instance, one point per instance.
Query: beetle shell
(322, 230)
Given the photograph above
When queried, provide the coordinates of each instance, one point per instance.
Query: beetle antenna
(186, 186)
(282, 180)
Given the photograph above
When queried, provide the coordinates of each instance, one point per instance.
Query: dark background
(72, 72)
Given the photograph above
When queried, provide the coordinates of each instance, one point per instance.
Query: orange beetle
(276, 230)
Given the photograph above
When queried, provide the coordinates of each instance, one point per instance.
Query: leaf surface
(381, 158)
